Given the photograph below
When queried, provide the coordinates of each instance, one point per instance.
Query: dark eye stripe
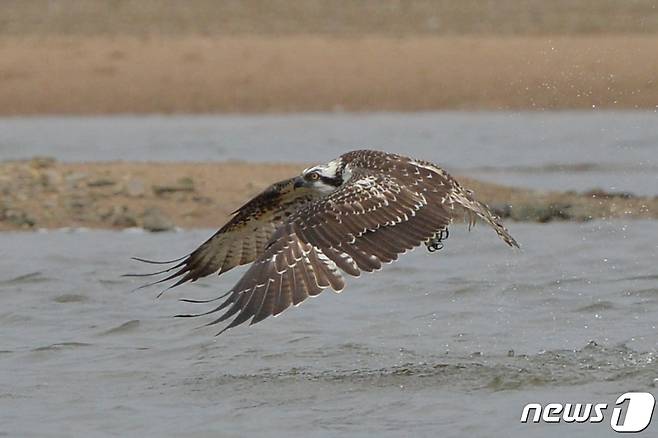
(331, 181)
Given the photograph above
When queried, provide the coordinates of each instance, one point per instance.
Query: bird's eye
(314, 176)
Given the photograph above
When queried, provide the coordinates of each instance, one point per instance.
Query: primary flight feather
(350, 215)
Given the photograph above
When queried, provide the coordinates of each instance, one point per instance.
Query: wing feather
(284, 299)
(343, 261)
(356, 229)
(389, 206)
(243, 239)
(326, 271)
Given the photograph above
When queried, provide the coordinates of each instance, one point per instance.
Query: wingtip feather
(158, 262)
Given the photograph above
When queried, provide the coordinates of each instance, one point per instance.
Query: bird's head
(324, 178)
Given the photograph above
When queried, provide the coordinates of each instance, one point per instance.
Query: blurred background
(122, 117)
(555, 96)
(168, 56)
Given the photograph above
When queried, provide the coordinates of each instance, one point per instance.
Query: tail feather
(474, 207)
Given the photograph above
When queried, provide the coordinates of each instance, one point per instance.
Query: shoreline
(42, 193)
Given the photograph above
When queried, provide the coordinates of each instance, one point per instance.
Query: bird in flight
(351, 215)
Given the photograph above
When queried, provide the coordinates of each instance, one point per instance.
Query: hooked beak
(298, 182)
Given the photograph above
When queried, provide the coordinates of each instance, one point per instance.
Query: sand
(98, 75)
(199, 56)
(42, 193)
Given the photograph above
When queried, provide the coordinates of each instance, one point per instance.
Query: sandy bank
(42, 193)
(197, 74)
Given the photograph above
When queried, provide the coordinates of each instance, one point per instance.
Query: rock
(203, 199)
(19, 218)
(186, 181)
(155, 220)
(42, 162)
(101, 182)
(5, 187)
(602, 194)
(541, 212)
(77, 203)
(501, 210)
(122, 217)
(580, 213)
(135, 188)
(73, 179)
(50, 179)
(182, 185)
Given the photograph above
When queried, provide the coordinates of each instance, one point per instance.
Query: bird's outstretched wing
(242, 239)
(368, 221)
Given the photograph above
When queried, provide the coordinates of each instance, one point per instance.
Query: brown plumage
(351, 215)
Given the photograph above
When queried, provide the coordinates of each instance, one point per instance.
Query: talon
(432, 247)
(436, 243)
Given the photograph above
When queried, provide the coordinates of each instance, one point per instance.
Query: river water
(453, 343)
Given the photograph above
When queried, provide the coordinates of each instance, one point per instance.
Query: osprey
(351, 215)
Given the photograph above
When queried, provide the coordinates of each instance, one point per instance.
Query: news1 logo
(632, 412)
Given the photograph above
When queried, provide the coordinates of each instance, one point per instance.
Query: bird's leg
(435, 243)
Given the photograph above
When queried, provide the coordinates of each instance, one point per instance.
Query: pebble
(101, 182)
(73, 179)
(122, 217)
(50, 178)
(135, 188)
(19, 218)
(155, 220)
(42, 162)
(183, 185)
